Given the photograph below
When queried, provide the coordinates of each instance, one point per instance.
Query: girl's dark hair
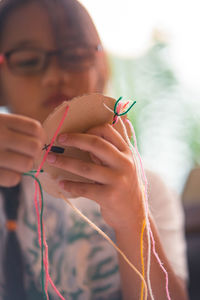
(65, 14)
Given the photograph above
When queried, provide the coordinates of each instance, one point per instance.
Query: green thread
(116, 103)
(124, 113)
(41, 225)
(127, 109)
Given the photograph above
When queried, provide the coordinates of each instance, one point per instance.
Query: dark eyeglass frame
(97, 49)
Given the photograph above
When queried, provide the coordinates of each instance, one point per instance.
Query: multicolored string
(144, 188)
(144, 185)
(149, 231)
(41, 233)
(40, 227)
(121, 108)
(110, 242)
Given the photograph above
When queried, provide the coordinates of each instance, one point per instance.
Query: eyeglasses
(33, 61)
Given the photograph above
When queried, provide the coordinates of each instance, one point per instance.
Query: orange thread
(110, 241)
(11, 225)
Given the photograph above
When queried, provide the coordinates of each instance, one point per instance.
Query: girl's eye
(27, 62)
(23, 59)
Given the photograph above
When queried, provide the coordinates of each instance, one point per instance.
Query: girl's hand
(115, 185)
(21, 139)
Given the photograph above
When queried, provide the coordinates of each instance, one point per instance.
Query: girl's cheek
(94, 77)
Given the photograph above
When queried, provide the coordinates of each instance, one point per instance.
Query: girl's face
(35, 94)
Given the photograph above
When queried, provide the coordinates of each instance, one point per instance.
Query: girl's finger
(97, 173)
(110, 134)
(19, 142)
(87, 190)
(15, 161)
(105, 151)
(9, 178)
(22, 124)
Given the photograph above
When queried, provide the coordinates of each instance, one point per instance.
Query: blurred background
(153, 49)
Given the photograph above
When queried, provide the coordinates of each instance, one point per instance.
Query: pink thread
(146, 207)
(136, 148)
(115, 118)
(46, 265)
(161, 265)
(52, 141)
(55, 289)
(48, 277)
(119, 107)
(142, 169)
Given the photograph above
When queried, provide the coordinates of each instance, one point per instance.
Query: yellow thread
(142, 259)
(109, 240)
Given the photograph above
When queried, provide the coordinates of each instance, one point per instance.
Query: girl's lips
(55, 100)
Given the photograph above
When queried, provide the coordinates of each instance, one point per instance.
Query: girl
(50, 52)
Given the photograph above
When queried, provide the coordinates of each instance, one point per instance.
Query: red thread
(52, 141)
(46, 265)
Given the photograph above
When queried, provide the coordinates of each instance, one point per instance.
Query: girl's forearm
(128, 240)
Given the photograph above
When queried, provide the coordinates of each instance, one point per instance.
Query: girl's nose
(54, 75)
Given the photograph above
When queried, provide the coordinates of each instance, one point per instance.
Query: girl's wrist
(133, 225)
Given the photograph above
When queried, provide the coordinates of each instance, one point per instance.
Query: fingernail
(62, 138)
(51, 158)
